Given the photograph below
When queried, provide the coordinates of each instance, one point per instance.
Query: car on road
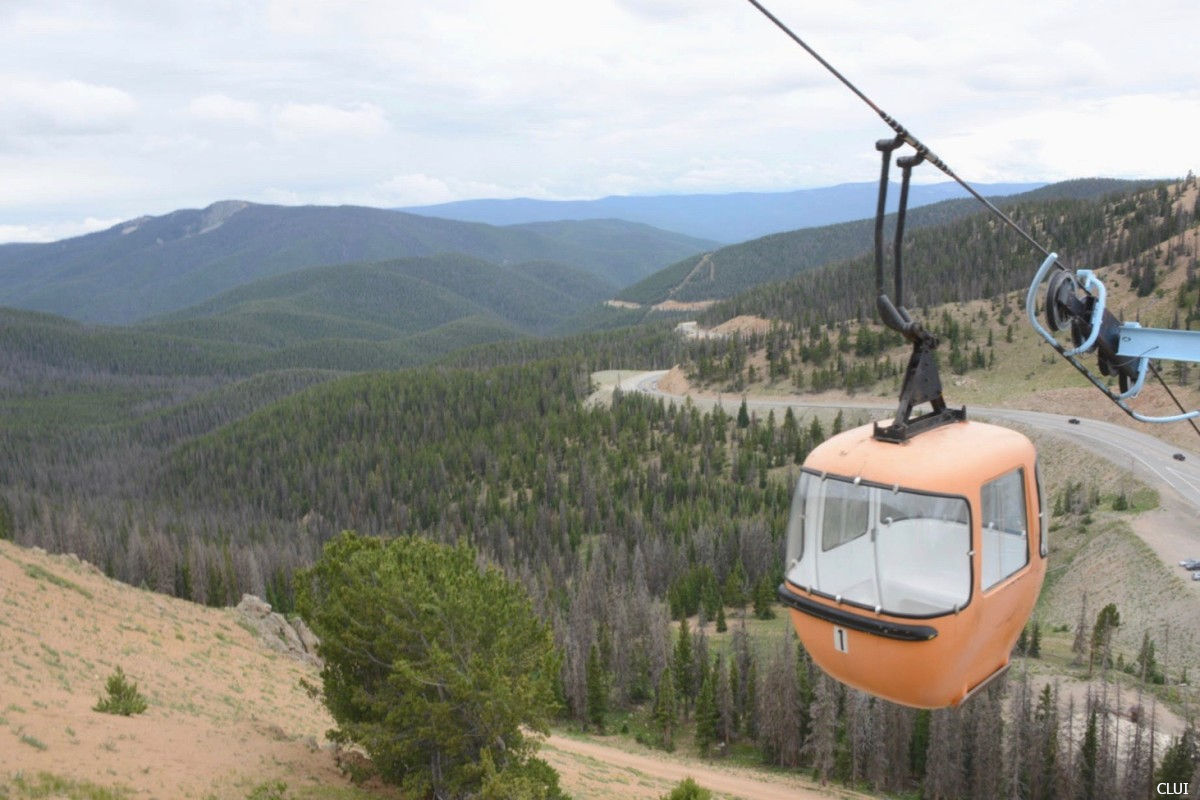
(1073, 420)
(1178, 456)
(1196, 575)
(1190, 563)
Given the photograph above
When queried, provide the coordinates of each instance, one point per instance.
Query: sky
(112, 110)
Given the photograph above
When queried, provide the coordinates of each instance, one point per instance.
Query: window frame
(968, 554)
(1020, 471)
(1043, 545)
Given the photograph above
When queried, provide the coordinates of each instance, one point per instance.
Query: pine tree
(1079, 645)
(726, 715)
(1106, 622)
(666, 709)
(743, 415)
(1087, 759)
(682, 665)
(1035, 641)
(764, 598)
(123, 696)
(1043, 775)
(1147, 664)
(1180, 759)
(706, 715)
(414, 669)
(721, 624)
(597, 689)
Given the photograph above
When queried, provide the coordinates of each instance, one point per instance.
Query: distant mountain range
(154, 265)
(728, 218)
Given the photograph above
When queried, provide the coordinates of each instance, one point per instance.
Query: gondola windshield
(883, 548)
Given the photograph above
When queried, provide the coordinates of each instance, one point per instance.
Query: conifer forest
(648, 534)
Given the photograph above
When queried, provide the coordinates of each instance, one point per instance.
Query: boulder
(290, 638)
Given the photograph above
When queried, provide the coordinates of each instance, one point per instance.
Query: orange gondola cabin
(915, 548)
(912, 566)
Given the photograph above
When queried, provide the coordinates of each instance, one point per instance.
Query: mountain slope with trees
(731, 270)
(388, 300)
(153, 265)
(637, 529)
(977, 256)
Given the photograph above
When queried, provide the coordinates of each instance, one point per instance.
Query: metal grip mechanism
(922, 382)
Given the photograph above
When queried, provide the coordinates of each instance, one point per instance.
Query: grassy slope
(225, 713)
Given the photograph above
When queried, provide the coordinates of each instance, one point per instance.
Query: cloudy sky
(110, 110)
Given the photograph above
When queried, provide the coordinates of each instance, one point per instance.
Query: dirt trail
(599, 771)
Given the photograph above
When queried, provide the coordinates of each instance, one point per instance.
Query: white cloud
(317, 121)
(34, 106)
(222, 109)
(53, 231)
(176, 103)
(418, 189)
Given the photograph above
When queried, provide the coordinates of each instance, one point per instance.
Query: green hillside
(737, 268)
(387, 300)
(626, 247)
(153, 265)
(974, 257)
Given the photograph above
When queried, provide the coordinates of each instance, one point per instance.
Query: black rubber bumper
(857, 622)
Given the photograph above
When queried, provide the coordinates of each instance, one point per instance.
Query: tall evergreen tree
(707, 715)
(683, 667)
(666, 710)
(743, 415)
(1088, 757)
(597, 689)
(1181, 759)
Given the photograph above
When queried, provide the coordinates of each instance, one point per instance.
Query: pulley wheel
(1058, 296)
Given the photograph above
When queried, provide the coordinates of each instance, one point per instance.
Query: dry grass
(225, 713)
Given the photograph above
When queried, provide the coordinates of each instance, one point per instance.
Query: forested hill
(154, 265)
(389, 300)
(737, 268)
(977, 256)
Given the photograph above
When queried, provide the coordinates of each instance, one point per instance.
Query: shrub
(123, 697)
(435, 666)
(688, 789)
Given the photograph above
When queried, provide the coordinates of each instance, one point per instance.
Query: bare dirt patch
(675, 382)
(679, 305)
(743, 324)
(225, 713)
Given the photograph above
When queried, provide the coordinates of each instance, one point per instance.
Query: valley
(213, 450)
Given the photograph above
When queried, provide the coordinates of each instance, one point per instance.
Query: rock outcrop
(290, 637)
